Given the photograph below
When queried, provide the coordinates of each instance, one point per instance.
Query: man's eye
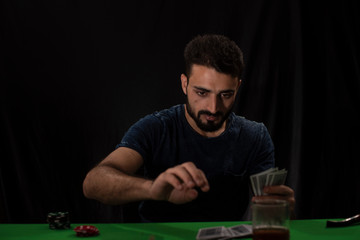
(226, 95)
(201, 93)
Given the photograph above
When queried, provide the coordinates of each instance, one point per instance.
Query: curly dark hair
(214, 51)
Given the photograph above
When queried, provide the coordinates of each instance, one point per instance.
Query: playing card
(269, 177)
(223, 233)
(238, 231)
(261, 183)
(278, 178)
(229, 235)
(241, 230)
(258, 181)
(212, 233)
(254, 184)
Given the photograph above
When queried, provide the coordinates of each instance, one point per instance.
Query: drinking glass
(270, 219)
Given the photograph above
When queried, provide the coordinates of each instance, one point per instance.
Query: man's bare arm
(111, 182)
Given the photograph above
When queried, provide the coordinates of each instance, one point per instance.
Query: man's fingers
(205, 186)
(273, 197)
(183, 179)
(183, 175)
(197, 175)
(279, 190)
(172, 180)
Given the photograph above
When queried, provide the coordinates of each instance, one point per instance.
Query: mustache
(217, 114)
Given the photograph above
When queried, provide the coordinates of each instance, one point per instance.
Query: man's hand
(177, 184)
(280, 192)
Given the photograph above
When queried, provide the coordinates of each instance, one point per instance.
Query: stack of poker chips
(58, 220)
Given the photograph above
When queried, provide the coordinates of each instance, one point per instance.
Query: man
(197, 157)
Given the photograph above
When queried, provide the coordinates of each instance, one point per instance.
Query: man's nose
(213, 105)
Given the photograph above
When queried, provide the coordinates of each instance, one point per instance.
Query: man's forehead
(197, 70)
(209, 79)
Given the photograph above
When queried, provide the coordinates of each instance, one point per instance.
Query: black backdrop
(76, 74)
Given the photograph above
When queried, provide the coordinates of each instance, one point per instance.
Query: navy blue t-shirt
(165, 139)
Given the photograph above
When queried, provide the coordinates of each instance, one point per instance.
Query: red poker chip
(86, 231)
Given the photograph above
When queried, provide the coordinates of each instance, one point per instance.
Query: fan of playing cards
(222, 233)
(270, 177)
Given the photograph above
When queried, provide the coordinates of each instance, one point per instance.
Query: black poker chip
(58, 220)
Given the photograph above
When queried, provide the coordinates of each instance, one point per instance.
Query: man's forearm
(111, 186)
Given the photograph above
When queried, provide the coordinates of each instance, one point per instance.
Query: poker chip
(86, 231)
(58, 220)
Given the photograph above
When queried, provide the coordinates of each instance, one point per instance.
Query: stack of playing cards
(222, 233)
(270, 177)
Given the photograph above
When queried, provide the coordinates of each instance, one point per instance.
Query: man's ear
(239, 83)
(184, 83)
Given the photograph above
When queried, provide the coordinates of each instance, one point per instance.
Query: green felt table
(299, 229)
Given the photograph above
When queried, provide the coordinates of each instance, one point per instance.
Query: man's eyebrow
(207, 90)
(228, 91)
(202, 89)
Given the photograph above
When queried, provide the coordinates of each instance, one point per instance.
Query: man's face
(210, 96)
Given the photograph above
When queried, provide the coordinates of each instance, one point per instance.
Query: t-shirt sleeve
(141, 136)
(265, 158)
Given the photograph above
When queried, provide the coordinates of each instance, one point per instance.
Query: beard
(208, 126)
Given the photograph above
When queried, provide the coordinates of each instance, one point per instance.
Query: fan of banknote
(269, 177)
